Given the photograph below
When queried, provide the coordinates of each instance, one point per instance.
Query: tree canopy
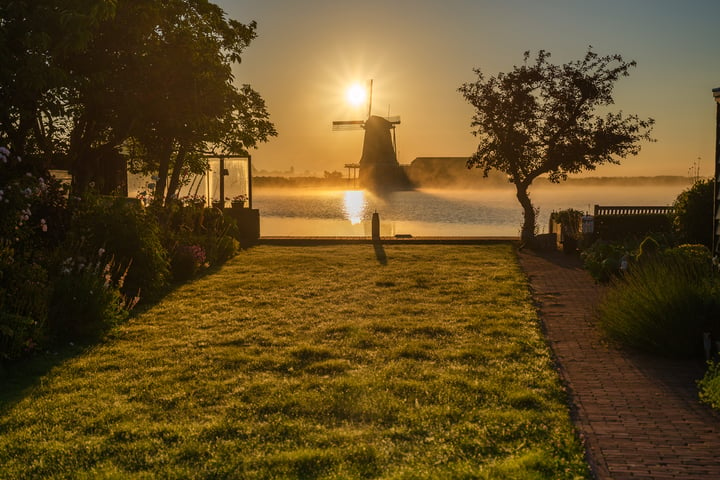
(547, 119)
(94, 77)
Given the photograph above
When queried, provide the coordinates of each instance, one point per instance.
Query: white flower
(100, 252)
(4, 151)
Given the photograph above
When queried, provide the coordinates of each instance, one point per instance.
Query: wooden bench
(615, 222)
(634, 210)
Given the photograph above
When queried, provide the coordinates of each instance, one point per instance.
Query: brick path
(638, 415)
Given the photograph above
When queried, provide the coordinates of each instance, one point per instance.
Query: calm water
(308, 212)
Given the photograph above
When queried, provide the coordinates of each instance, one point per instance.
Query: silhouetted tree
(158, 76)
(543, 119)
(35, 38)
(693, 209)
(83, 80)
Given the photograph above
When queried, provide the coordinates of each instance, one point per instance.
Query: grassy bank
(316, 362)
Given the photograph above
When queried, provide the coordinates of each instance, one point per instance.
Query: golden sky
(419, 52)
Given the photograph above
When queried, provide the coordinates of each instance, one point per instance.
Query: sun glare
(355, 95)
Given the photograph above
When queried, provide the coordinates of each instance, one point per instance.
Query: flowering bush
(194, 200)
(204, 227)
(86, 299)
(187, 261)
(130, 233)
(33, 218)
(31, 204)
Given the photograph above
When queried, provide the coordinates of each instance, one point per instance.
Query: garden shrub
(602, 259)
(128, 232)
(219, 231)
(23, 304)
(186, 261)
(86, 299)
(698, 256)
(662, 305)
(33, 220)
(187, 225)
(693, 208)
(225, 248)
(709, 386)
(649, 247)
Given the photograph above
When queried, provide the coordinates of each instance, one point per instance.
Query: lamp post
(716, 201)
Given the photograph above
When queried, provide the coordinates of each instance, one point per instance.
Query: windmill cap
(716, 92)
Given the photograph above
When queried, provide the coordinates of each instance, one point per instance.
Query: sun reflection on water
(354, 206)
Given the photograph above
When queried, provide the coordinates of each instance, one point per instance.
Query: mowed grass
(312, 362)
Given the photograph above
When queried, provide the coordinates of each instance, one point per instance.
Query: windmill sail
(340, 125)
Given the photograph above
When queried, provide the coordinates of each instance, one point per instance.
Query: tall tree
(160, 73)
(191, 100)
(34, 37)
(547, 119)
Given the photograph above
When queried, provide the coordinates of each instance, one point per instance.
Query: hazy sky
(419, 52)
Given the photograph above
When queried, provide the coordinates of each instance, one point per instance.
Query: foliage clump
(709, 386)
(127, 231)
(603, 259)
(664, 303)
(693, 208)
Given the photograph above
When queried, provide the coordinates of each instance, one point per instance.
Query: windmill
(379, 167)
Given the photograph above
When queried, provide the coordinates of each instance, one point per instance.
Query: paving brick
(639, 415)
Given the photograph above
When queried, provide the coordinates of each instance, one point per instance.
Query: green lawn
(311, 362)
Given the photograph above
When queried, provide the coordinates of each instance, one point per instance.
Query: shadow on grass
(380, 253)
(19, 377)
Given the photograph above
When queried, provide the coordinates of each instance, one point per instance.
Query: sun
(355, 94)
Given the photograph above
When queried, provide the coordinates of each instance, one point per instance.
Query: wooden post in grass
(376, 227)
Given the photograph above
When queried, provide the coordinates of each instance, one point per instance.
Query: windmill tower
(379, 167)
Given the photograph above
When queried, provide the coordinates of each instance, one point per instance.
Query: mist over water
(435, 212)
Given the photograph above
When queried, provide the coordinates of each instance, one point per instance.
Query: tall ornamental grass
(663, 304)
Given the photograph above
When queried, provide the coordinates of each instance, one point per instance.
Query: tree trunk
(528, 227)
(164, 154)
(174, 185)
